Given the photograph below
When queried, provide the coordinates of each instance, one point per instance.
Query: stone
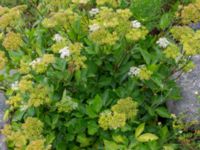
(2, 123)
(188, 107)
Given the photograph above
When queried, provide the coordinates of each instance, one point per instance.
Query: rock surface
(189, 106)
(2, 108)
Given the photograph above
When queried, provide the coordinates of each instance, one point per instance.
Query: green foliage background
(102, 83)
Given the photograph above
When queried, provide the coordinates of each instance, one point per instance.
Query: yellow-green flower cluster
(126, 106)
(25, 84)
(12, 41)
(172, 51)
(56, 47)
(190, 13)
(136, 34)
(113, 3)
(145, 73)
(108, 18)
(3, 10)
(182, 32)
(125, 109)
(32, 128)
(39, 95)
(29, 133)
(142, 72)
(14, 101)
(188, 38)
(53, 5)
(3, 60)
(40, 65)
(38, 145)
(61, 18)
(10, 17)
(24, 67)
(67, 104)
(109, 25)
(111, 120)
(18, 139)
(76, 59)
(103, 36)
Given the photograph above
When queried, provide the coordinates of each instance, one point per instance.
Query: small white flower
(163, 42)
(94, 27)
(180, 131)
(134, 71)
(24, 107)
(136, 24)
(57, 38)
(14, 86)
(64, 52)
(196, 93)
(34, 62)
(93, 11)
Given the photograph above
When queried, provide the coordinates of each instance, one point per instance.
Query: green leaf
(97, 104)
(50, 138)
(145, 55)
(18, 115)
(109, 145)
(83, 140)
(165, 20)
(164, 133)
(119, 138)
(163, 112)
(146, 137)
(139, 130)
(92, 127)
(60, 64)
(157, 81)
(90, 112)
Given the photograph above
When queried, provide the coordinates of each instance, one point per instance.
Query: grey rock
(188, 108)
(195, 26)
(2, 109)
(2, 123)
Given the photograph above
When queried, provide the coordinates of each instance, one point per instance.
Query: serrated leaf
(146, 137)
(139, 130)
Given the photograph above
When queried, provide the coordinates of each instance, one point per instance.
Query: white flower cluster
(93, 11)
(163, 42)
(35, 62)
(136, 24)
(64, 52)
(57, 38)
(14, 86)
(134, 71)
(94, 27)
